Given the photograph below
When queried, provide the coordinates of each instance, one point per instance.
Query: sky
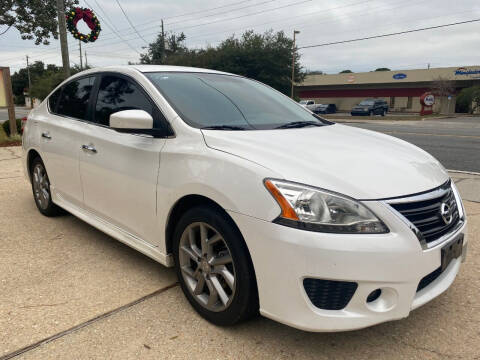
(208, 22)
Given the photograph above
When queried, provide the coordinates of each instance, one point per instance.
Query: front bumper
(394, 262)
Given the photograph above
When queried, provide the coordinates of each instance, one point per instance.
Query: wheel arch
(31, 155)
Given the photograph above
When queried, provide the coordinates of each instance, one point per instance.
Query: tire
(384, 112)
(41, 189)
(239, 299)
(370, 113)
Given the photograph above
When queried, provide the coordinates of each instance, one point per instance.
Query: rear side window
(53, 100)
(117, 94)
(75, 96)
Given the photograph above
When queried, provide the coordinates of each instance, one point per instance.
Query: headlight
(309, 208)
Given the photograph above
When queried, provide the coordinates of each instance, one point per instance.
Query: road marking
(85, 323)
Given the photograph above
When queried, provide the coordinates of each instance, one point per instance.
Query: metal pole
(29, 85)
(86, 62)
(293, 59)
(163, 44)
(81, 60)
(62, 29)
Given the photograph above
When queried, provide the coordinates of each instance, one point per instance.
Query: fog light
(374, 295)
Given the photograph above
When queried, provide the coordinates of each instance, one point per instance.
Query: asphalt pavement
(20, 112)
(455, 142)
(68, 291)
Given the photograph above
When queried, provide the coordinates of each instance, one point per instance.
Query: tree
(314, 72)
(383, 69)
(34, 19)
(346, 72)
(264, 57)
(469, 99)
(160, 51)
(49, 80)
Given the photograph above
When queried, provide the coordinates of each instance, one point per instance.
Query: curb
(464, 172)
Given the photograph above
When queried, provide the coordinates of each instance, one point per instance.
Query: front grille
(425, 213)
(427, 280)
(329, 294)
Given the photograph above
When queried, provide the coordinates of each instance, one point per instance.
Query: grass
(9, 141)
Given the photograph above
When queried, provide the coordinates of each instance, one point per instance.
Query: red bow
(86, 15)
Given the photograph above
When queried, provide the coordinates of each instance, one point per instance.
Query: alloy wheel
(207, 266)
(41, 186)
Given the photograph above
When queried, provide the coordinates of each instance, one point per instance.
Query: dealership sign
(468, 72)
(429, 100)
(399, 76)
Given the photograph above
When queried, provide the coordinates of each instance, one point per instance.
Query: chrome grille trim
(422, 211)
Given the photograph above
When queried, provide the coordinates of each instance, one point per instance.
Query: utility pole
(81, 60)
(295, 32)
(29, 85)
(62, 29)
(163, 43)
(86, 63)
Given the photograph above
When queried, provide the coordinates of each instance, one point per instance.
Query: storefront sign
(399, 76)
(468, 72)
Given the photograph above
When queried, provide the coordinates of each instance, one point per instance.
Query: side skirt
(114, 231)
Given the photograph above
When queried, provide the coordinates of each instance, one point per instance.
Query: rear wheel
(214, 267)
(41, 189)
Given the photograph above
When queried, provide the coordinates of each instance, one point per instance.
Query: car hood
(359, 163)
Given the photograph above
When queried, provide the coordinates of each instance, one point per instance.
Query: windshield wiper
(299, 124)
(223, 127)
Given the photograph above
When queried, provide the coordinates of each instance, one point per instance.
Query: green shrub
(6, 127)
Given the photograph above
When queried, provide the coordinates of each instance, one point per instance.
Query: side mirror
(131, 119)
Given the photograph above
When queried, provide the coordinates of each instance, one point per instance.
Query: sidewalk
(468, 184)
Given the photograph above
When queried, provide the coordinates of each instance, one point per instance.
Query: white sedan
(261, 206)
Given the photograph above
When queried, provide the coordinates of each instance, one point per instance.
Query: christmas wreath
(87, 15)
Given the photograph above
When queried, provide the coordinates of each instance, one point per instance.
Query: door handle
(46, 135)
(89, 148)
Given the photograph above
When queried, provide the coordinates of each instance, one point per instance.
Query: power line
(126, 17)
(116, 33)
(390, 34)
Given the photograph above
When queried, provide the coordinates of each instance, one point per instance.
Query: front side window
(116, 94)
(53, 100)
(367, 103)
(75, 96)
(214, 100)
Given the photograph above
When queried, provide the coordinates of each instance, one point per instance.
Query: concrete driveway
(68, 291)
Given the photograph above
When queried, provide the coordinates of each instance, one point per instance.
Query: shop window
(409, 102)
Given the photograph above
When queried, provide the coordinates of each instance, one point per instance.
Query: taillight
(24, 122)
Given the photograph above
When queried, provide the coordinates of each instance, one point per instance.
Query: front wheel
(41, 189)
(214, 267)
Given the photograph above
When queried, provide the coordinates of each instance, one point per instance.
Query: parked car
(260, 205)
(307, 103)
(370, 107)
(325, 109)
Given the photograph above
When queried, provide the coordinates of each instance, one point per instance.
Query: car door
(62, 136)
(119, 170)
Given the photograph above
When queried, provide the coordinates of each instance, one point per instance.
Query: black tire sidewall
(245, 302)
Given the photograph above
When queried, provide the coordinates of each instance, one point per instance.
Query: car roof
(153, 68)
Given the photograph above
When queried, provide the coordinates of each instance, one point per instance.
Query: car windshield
(366, 102)
(229, 102)
(303, 102)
